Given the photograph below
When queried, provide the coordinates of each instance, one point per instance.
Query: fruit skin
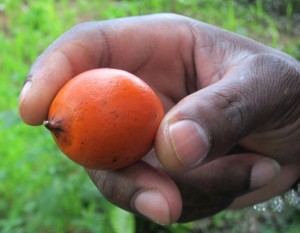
(105, 118)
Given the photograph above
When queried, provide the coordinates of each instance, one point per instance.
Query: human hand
(230, 137)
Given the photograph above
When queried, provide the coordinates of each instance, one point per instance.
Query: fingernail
(263, 172)
(25, 89)
(190, 142)
(153, 205)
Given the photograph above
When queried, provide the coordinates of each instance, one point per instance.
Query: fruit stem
(55, 128)
(47, 125)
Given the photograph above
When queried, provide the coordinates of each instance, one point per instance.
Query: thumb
(208, 123)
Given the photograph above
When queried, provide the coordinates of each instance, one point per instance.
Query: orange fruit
(105, 118)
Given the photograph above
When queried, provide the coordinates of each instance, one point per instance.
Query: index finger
(66, 57)
(126, 43)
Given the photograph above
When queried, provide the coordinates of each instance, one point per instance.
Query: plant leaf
(121, 220)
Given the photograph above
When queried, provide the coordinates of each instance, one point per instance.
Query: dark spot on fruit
(114, 114)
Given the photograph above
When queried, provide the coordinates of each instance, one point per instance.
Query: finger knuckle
(234, 105)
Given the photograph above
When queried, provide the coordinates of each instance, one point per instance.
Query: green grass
(41, 190)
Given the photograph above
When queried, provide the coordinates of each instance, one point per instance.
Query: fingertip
(153, 205)
(27, 113)
(156, 206)
(263, 172)
(33, 104)
(182, 145)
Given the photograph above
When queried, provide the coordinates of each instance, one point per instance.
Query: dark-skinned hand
(230, 136)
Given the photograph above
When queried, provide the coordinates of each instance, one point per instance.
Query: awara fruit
(105, 118)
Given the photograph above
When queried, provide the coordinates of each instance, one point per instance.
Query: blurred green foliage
(41, 190)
